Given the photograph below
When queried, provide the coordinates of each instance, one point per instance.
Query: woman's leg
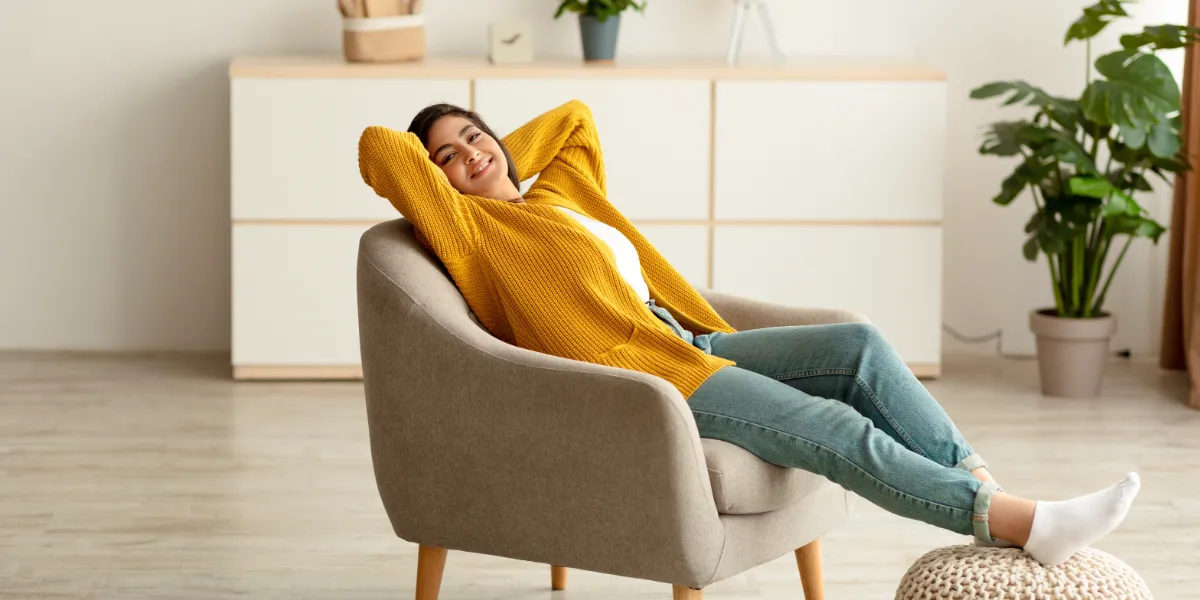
(785, 426)
(789, 427)
(826, 361)
(853, 363)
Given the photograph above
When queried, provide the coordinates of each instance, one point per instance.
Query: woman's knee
(861, 335)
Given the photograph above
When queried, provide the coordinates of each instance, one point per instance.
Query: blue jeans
(838, 401)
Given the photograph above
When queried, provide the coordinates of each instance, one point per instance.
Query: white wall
(114, 172)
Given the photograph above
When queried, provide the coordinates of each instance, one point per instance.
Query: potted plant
(1083, 161)
(599, 23)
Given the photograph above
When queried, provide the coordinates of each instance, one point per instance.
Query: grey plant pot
(599, 39)
(1071, 352)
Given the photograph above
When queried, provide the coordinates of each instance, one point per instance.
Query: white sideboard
(809, 184)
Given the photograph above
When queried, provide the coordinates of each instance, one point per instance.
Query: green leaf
(1030, 249)
(1080, 213)
(1004, 138)
(601, 9)
(1065, 148)
(1139, 182)
(1120, 203)
(1140, 91)
(1092, 187)
(571, 5)
(1009, 190)
(1164, 140)
(1053, 238)
(1095, 18)
(1024, 174)
(1035, 222)
(1133, 137)
(1075, 210)
(1176, 164)
(1063, 111)
(1124, 154)
(988, 90)
(1135, 226)
(1020, 90)
(1143, 70)
(1161, 37)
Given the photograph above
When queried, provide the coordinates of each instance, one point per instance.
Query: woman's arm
(396, 165)
(560, 145)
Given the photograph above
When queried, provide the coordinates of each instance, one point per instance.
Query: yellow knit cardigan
(536, 277)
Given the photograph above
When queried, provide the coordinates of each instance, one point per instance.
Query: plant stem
(1087, 74)
(1108, 282)
(1097, 245)
(1058, 298)
(1098, 256)
(1054, 279)
(1077, 274)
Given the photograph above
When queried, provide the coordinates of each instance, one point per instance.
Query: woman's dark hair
(423, 122)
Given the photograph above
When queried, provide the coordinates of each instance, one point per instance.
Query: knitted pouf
(982, 573)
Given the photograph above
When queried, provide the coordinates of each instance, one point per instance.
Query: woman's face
(471, 159)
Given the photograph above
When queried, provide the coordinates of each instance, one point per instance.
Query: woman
(560, 270)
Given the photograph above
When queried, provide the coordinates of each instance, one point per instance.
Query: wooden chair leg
(558, 578)
(683, 592)
(431, 563)
(808, 560)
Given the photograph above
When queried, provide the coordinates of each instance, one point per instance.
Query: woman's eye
(447, 159)
(474, 136)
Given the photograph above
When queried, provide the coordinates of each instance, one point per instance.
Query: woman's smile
(482, 168)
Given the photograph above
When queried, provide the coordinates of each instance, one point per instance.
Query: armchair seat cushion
(744, 484)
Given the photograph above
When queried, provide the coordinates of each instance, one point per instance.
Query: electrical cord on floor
(998, 335)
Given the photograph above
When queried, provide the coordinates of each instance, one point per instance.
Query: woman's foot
(1060, 529)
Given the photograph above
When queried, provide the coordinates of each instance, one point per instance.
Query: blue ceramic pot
(599, 39)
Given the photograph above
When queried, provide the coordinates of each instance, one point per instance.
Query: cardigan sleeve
(562, 147)
(396, 165)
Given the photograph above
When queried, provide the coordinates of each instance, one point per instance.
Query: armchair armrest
(482, 446)
(747, 313)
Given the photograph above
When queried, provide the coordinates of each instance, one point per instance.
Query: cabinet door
(829, 150)
(295, 142)
(891, 274)
(654, 134)
(294, 298)
(684, 246)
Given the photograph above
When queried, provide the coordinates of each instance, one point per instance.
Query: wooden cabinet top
(449, 67)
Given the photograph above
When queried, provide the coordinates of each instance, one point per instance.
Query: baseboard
(297, 372)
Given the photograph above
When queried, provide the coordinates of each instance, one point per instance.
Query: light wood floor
(159, 478)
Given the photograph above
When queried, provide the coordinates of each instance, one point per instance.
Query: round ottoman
(972, 572)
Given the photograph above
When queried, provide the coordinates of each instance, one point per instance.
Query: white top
(628, 263)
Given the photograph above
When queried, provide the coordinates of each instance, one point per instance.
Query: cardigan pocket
(624, 347)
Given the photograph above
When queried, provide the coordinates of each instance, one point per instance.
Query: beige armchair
(485, 447)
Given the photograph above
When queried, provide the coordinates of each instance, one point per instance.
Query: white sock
(1062, 528)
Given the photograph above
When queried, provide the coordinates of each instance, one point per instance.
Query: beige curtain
(1181, 321)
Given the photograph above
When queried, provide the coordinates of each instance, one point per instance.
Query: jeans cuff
(971, 463)
(979, 518)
